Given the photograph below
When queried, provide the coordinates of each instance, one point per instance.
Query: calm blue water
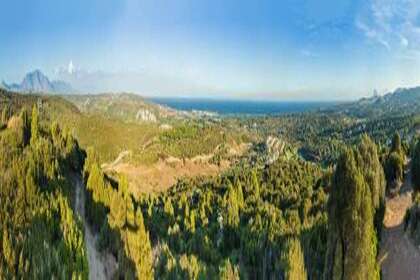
(229, 107)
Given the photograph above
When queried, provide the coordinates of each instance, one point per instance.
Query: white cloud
(372, 33)
(392, 24)
(308, 53)
(404, 41)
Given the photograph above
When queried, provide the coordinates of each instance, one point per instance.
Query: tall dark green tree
(139, 249)
(351, 252)
(396, 143)
(415, 167)
(227, 271)
(293, 261)
(34, 125)
(394, 171)
(373, 173)
(25, 126)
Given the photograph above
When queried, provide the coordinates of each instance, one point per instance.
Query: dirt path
(120, 157)
(97, 267)
(399, 257)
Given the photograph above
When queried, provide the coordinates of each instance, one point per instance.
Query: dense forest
(41, 237)
(315, 211)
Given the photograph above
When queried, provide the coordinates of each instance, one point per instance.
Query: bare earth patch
(101, 266)
(162, 175)
(399, 257)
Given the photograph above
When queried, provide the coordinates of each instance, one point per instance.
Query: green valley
(181, 196)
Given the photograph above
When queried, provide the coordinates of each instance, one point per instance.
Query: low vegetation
(315, 210)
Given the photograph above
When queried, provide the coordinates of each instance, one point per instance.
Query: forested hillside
(237, 223)
(41, 238)
(153, 146)
(307, 200)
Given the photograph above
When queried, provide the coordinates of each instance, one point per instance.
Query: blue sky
(287, 50)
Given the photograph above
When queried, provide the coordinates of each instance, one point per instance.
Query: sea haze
(246, 107)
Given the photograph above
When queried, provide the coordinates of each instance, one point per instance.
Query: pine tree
(293, 260)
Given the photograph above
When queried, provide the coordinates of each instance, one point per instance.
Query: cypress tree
(5, 115)
(351, 248)
(396, 143)
(96, 182)
(394, 171)
(293, 261)
(232, 207)
(25, 126)
(228, 272)
(239, 193)
(373, 173)
(117, 213)
(34, 125)
(138, 248)
(255, 184)
(7, 251)
(415, 167)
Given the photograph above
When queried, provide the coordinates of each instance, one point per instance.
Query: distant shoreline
(241, 107)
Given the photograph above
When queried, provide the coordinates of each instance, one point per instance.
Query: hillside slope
(401, 101)
(123, 106)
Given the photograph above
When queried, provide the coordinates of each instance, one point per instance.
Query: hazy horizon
(293, 50)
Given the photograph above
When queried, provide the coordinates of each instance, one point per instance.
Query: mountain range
(402, 100)
(36, 81)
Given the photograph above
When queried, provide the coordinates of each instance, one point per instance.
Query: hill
(122, 106)
(191, 199)
(401, 101)
(41, 235)
(156, 152)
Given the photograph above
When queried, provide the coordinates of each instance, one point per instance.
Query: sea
(241, 107)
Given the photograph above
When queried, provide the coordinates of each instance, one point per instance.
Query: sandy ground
(160, 176)
(97, 267)
(399, 257)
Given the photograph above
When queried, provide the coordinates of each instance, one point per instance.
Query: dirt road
(97, 268)
(400, 257)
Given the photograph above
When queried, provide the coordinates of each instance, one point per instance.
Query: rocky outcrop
(145, 116)
(274, 148)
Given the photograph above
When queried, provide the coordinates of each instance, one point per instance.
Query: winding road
(399, 257)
